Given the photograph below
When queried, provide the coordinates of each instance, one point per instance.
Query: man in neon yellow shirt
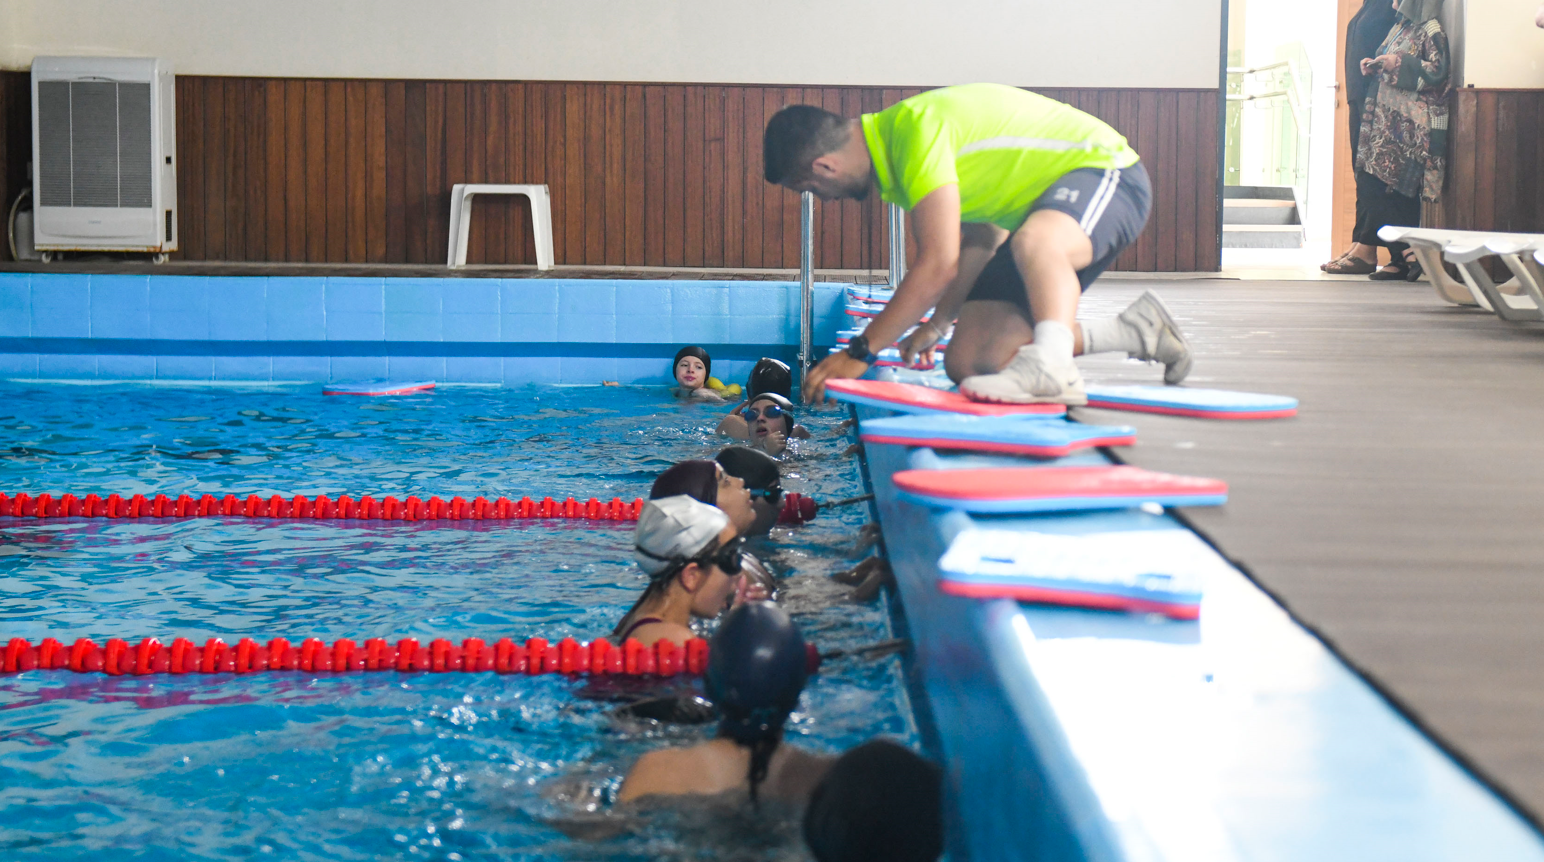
(1018, 203)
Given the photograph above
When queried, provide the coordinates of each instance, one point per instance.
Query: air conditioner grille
(94, 144)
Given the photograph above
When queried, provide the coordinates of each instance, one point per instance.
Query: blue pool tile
(179, 326)
(179, 294)
(528, 296)
(587, 327)
(410, 326)
(61, 307)
(644, 329)
(470, 327)
(649, 371)
(734, 370)
(474, 369)
(120, 306)
(297, 309)
(184, 368)
(588, 369)
(470, 296)
(356, 295)
(759, 300)
(355, 326)
(580, 297)
(19, 365)
(528, 327)
(643, 298)
(412, 295)
(238, 309)
(699, 330)
(309, 369)
(756, 330)
(415, 368)
(698, 299)
(520, 370)
(354, 368)
(66, 367)
(15, 307)
(243, 368)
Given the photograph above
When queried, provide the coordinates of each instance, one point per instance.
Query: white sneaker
(1161, 339)
(1029, 378)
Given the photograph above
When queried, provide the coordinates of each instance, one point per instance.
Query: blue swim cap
(756, 669)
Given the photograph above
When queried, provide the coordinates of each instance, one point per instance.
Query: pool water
(296, 766)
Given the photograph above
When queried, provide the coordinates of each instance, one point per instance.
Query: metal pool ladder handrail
(806, 282)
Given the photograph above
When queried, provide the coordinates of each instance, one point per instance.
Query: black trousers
(1377, 204)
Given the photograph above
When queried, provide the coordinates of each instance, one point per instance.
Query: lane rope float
(22, 505)
(118, 657)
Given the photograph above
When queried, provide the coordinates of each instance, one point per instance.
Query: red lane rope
(536, 656)
(24, 505)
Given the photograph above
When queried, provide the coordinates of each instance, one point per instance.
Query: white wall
(1507, 49)
(1047, 43)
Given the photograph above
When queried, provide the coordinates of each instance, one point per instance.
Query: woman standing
(1363, 36)
(1404, 125)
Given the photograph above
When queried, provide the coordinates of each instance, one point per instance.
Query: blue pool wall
(56, 326)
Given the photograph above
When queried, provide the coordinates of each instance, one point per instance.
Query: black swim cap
(756, 468)
(769, 375)
(693, 350)
(878, 803)
(695, 479)
(756, 669)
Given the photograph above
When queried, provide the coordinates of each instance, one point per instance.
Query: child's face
(760, 423)
(691, 373)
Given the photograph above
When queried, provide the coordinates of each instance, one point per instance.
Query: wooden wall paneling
(477, 133)
(613, 176)
(1208, 206)
(1166, 187)
(215, 164)
(236, 205)
(875, 245)
(1485, 161)
(1128, 118)
(437, 190)
(633, 161)
(829, 214)
(695, 133)
(594, 174)
(1458, 208)
(1507, 147)
(1187, 184)
(1529, 217)
(396, 171)
(190, 173)
(574, 161)
(294, 170)
(734, 177)
(255, 168)
(753, 120)
(415, 171)
(654, 175)
(1146, 143)
(500, 243)
(773, 212)
(316, 171)
(521, 247)
(375, 150)
(356, 171)
(674, 192)
(714, 211)
(337, 170)
(275, 187)
(854, 230)
(455, 145)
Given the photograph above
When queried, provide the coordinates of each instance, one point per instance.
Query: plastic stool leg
(465, 227)
(541, 223)
(455, 226)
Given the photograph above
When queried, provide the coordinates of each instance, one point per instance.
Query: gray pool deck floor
(1401, 514)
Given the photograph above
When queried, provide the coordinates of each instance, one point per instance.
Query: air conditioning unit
(103, 144)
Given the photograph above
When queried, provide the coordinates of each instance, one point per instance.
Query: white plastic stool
(461, 195)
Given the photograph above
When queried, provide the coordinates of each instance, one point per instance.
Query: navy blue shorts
(1110, 205)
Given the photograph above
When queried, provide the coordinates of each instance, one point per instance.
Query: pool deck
(1394, 518)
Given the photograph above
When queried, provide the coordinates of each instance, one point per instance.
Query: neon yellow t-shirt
(1002, 145)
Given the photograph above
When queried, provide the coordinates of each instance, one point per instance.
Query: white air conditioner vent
(103, 139)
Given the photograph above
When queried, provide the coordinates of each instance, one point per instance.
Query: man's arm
(936, 220)
(978, 242)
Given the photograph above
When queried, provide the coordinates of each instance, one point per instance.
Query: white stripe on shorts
(1102, 197)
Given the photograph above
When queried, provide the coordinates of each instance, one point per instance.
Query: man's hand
(837, 366)
(917, 348)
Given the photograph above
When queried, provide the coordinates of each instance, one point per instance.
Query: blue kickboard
(1037, 436)
(377, 387)
(1184, 401)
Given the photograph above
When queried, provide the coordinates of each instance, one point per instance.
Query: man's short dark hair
(798, 135)
(879, 801)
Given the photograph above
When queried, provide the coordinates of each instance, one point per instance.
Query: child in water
(757, 665)
(692, 556)
(765, 422)
(693, 370)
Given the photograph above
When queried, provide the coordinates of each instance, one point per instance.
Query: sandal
(1413, 270)
(1350, 265)
(1392, 272)
(1326, 266)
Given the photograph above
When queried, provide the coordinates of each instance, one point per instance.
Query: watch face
(857, 347)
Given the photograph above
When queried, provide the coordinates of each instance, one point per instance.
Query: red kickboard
(910, 398)
(1044, 483)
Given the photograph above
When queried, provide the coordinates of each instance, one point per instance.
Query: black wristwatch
(858, 348)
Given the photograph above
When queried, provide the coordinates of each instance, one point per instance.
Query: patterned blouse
(1405, 119)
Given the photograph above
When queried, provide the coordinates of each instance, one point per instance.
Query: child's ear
(691, 577)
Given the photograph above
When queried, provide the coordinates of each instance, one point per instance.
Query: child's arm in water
(734, 424)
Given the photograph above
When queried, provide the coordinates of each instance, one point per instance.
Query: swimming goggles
(773, 494)
(726, 557)
(771, 411)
